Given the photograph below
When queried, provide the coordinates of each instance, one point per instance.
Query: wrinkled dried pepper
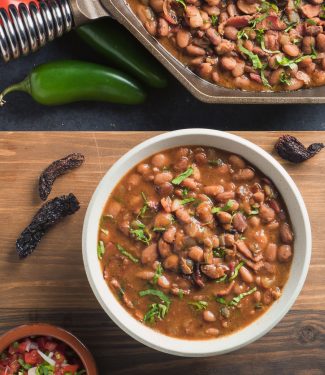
(48, 215)
(289, 148)
(56, 169)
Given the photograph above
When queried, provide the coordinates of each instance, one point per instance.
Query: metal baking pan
(54, 17)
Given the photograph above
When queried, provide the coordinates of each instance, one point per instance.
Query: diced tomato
(50, 346)
(32, 358)
(22, 346)
(70, 369)
(59, 357)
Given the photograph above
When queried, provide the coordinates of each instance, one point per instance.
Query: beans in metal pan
(253, 45)
(195, 242)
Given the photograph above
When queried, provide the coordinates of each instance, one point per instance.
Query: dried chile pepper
(48, 215)
(56, 169)
(291, 149)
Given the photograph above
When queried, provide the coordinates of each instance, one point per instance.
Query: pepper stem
(21, 86)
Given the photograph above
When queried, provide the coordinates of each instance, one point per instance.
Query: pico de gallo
(40, 356)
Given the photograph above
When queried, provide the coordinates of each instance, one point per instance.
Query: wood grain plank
(54, 277)
(51, 286)
(295, 347)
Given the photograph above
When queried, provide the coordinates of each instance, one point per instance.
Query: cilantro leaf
(180, 178)
(126, 253)
(199, 305)
(100, 250)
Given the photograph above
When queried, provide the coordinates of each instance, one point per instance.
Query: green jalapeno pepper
(120, 48)
(68, 81)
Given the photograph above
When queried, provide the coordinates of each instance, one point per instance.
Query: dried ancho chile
(56, 169)
(289, 148)
(48, 215)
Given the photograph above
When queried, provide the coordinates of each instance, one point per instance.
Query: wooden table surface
(51, 285)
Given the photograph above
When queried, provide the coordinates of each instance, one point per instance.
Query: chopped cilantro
(126, 253)
(182, 2)
(158, 273)
(157, 293)
(100, 250)
(156, 310)
(235, 273)
(199, 305)
(214, 19)
(180, 178)
(235, 300)
(140, 232)
(187, 200)
(221, 279)
(254, 58)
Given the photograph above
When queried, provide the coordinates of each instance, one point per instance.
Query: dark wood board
(51, 285)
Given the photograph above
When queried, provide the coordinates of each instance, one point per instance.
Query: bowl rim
(156, 340)
(44, 329)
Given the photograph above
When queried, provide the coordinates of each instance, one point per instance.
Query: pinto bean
(213, 189)
(310, 11)
(213, 271)
(183, 216)
(193, 16)
(171, 262)
(266, 213)
(212, 331)
(213, 36)
(195, 50)
(145, 275)
(163, 220)
(225, 46)
(164, 248)
(183, 38)
(114, 208)
(156, 5)
(320, 42)
(160, 160)
(291, 50)
(295, 84)
(286, 233)
(246, 275)
(163, 27)
(169, 235)
(230, 33)
(203, 211)
(165, 189)
(162, 177)
(245, 174)
(270, 252)
(225, 196)
(215, 77)
(307, 43)
(224, 217)
(148, 18)
(237, 162)
(257, 296)
(149, 254)
(239, 69)
(247, 7)
(196, 253)
(239, 222)
(228, 63)
(284, 253)
(208, 316)
(189, 183)
(204, 70)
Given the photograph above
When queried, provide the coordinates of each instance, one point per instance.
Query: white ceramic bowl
(297, 211)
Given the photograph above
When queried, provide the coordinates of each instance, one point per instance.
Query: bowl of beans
(40, 349)
(196, 242)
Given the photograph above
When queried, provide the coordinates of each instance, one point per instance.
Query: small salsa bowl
(41, 329)
(297, 212)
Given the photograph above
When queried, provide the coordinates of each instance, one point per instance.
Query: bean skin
(183, 38)
(196, 253)
(209, 316)
(171, 262)
(245, 174)
(270, 253)
(284, 253)
(237, 162)
(291, 50)
(230, 33)
(195, 50)
(266, 213)
(246, 275)
(285, 233)
(228, 63)
(213, 189)
(160, 161)
(149, 254)
(162, 177)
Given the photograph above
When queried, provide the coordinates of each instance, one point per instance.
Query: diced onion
(32, 371)
(46, 358)
(33, 345)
